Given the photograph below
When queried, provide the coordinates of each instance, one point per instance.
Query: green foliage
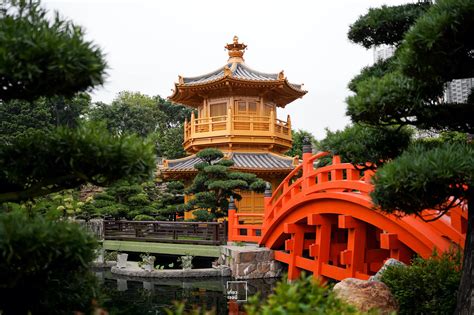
(43, 57)
(424, 178)
(362, 144)
(303, 296)
(47, 262)
(439, 46)
(202, 215)
(22, 117)
(437, 49)
(427, 286)
(143, 217)
(215, 183)
(140, 202)
(129, 113)
(297, 146)
(66, 158)
(149, 117)
(186, 261)
(110, 256)
(386, 25)
(377, 70)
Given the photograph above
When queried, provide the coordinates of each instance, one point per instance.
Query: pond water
(122, 295)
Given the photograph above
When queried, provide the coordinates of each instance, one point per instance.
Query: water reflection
(123, 295)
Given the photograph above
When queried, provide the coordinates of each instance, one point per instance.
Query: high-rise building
(384, 52)
(457, 91)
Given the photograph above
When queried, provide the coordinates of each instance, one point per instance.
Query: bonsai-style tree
(141, 202)
(215, 183)
(434, 46)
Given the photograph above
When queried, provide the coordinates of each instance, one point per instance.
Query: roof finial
(236, 50)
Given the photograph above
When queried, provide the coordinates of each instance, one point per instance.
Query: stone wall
(250, 262)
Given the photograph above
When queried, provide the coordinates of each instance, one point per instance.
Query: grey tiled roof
(239, 71)
(242, 161)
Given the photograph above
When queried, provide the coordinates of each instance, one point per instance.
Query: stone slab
(132, 270)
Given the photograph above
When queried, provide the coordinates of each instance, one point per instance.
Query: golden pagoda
(237, 114)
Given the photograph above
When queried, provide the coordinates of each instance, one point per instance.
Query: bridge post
(307, 154)
(267, 197)
(232, 218)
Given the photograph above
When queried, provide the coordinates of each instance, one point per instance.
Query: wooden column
(192, 125)
(272, 123)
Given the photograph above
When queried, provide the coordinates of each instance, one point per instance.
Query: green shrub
(428, 286)
(203, 216)
(143, 217)
(303, 296)
(46, 263)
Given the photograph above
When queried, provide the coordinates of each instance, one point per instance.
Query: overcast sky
(149, 43)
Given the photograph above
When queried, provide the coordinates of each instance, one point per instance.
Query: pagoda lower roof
(254, 162)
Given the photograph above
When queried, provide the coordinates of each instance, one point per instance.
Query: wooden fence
(204, 233)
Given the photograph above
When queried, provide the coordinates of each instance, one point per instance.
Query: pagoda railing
(235, 125)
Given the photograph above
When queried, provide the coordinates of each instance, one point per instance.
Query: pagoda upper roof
(236, 78)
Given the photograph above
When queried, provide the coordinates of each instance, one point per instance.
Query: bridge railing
(204, 233)
(310, 177)
(241, 232)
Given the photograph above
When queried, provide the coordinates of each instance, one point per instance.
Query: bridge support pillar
(295, 245)
(321, 249)
(354, 256)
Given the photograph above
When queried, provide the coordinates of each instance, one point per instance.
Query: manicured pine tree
(215, 183)
(434, 46)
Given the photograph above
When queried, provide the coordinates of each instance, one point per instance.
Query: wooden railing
(232, 124)
(241, 232)
(208, 233)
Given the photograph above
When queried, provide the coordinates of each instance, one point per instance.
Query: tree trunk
(465, 302)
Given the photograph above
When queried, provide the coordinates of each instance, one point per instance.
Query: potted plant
(122, 260)
(186, 261)
(148, 262)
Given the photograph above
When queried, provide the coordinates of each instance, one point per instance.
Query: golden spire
(236, 50)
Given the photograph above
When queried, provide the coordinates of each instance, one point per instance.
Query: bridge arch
(321, 219)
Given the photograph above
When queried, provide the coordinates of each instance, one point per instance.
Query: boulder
(388, 263)
(366, 295)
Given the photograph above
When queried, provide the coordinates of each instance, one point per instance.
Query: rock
(388, 263)
(366, 295)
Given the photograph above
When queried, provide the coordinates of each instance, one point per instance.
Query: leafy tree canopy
(298, 138)
(21, 117)
(43, 57)
(408, 90)
(148, 117)
(366, 146)
(41, 163)
(386, 25)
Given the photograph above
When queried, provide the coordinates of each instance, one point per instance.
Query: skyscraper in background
(457, 91)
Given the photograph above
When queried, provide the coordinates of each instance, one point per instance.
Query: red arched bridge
(322, 220)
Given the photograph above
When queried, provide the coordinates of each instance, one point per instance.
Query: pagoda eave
(281, 92)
